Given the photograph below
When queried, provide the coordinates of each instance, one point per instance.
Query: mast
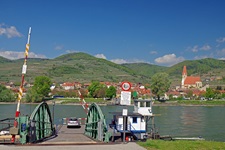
(20, 93)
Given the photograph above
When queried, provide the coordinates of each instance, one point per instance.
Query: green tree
(160, 84)
(94, 88)
(101, 93)
(6, 95)
(111, 92)
(209, 93)
(33, 96)
(40, 90)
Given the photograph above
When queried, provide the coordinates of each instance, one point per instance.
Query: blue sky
(161, 32)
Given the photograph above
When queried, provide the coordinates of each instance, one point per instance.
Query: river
(177, 121)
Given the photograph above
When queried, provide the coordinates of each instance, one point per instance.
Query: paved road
(128, 146)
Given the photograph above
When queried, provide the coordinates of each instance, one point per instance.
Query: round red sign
(125, 86)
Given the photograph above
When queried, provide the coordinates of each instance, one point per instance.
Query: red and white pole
(20, 93)
(83, 102)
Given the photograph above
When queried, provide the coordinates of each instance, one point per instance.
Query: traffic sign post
(126, 86)
(125, 93)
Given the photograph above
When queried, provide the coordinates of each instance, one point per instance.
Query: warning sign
(125, 86)
(125, 98)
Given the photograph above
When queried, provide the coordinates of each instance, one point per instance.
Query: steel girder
(41, 125)
(96, 127)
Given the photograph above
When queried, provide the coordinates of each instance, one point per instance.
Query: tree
(209, 93)
(6, 95)
(94, 89)
(160, 84)
(40, 90)
(111, 92)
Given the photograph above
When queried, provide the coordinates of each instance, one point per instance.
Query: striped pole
(20, 93)
(83, 102)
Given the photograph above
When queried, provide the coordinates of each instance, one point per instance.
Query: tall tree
(160, 84)
(94, 89)
(111, 92)
(209, 93)
(6, 95)
(40, 89)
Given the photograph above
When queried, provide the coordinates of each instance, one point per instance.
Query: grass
(182, 145)
(199, 102)
(75, 100)
(193, 102)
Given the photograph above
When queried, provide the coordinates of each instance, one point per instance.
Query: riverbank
(69, 101)
(74, 101)
(181, 145)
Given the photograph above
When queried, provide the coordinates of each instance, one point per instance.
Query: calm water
(177, 121)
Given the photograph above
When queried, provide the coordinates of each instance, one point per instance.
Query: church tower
(184, 76)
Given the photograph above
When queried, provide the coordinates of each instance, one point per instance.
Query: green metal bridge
(39, 125)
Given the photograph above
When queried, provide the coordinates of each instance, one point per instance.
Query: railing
(6, 124)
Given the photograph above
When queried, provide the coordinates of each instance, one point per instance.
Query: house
(68, 86)
(77, 85)
(190, 81)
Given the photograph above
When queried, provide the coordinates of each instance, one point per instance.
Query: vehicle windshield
(73, 119)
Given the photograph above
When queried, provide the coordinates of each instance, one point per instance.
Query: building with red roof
(190, 81)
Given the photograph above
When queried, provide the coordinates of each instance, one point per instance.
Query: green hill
(79, 67)
(145, 69)
(198, 67)
(82, 67)
(4, 60)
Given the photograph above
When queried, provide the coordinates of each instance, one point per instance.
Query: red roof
(68, 84)
(192, 80)
(184, 71)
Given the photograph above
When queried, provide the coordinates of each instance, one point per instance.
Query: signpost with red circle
(125, 93)
(126, 86)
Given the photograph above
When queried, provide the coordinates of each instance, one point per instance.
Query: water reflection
(190, 121)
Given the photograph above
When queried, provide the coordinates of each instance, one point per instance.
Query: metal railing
(6, 124)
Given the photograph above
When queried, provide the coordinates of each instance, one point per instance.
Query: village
(191, 87)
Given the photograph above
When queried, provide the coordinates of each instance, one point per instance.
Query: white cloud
(195, 48)
(123, 61)
(153, 52)
(100, 56)
(72, 51)
(9, 31)
(17, 55)
(221, 52)
(221, 40)
(59, 47)
(205, 47)
(169, 60)
(119, 61)
(201, 57)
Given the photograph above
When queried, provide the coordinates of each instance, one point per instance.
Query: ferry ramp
(69, 136)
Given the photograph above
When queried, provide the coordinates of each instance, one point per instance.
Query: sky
(159, 32)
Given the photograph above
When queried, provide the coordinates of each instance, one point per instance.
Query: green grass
(74, 100)
(182, 145)
(193, 102)
(199, 102)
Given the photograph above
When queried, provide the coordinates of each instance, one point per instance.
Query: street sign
(125, 98)
(126, 86)
(125, 112)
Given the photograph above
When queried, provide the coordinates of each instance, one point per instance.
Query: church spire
(184, 76)
(184, 71)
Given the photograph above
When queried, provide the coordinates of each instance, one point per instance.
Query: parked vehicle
(73, 122)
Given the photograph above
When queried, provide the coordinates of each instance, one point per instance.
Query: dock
(70, 136)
